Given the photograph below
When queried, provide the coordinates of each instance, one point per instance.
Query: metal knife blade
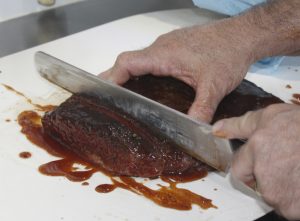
(192, 136)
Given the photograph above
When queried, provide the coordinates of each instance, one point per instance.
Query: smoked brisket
(107, 137)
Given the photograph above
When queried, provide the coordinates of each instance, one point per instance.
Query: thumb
(128, 64)
(237, 127)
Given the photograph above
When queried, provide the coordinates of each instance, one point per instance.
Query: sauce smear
(38, 107)
(288, 86)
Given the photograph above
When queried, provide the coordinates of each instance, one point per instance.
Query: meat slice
(107, 137)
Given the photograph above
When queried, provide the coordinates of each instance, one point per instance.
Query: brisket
(107, 137)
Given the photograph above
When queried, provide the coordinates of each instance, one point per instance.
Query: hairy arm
(274, 27)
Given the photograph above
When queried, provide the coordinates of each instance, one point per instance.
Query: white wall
(14, 8)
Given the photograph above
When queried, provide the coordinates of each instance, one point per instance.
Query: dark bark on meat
(179, 96)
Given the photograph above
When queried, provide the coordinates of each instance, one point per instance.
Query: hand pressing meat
(271, 157)
(213, 68)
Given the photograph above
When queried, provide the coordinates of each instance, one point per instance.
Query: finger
(237, 127)
(128, 64)
(242, 166)
(205, 103)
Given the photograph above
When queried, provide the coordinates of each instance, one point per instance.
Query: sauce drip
(167, 196)
(296, 99)
(25, 155)
(37, 106)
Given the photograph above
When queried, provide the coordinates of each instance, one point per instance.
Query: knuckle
(123, 58)
(256, 140)
(165, 68)
(167, 42)
(161, 38)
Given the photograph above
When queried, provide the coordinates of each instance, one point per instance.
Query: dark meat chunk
(109, 138)
(179, 96)
(115, 141)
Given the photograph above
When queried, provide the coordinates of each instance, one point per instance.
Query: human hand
(271, 156)
(213, 59)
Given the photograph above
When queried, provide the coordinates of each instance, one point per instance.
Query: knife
(194, 137)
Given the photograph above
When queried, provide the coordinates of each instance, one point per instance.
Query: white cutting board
(27, 195)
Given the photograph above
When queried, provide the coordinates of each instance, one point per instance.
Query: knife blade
(194, 137)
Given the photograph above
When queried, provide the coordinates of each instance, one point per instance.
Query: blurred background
(10, 9)
(27, 23)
